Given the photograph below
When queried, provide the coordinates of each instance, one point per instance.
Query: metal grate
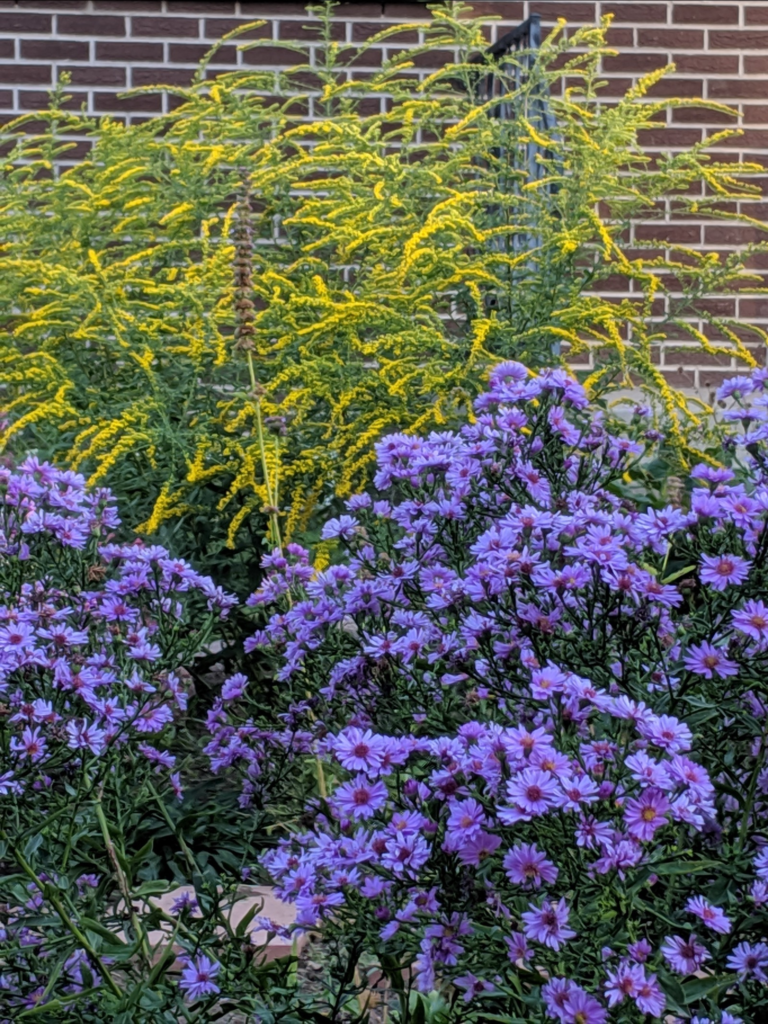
(524, 41)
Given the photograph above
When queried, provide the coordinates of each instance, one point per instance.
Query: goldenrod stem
(274, 525)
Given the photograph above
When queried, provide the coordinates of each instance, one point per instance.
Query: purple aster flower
(518, 947)
(582, 1008)
(153, 719)
(750, 961)
(234, 687)
(666, 732)
(343, 527)
(555, 995)
(526, 865)
(708, 661)
(721, 570)
(197, 977)
(548, 924)
(752, 620)
(360, 798)
(684, 955)
(713, 917)
(465, 821)
(31, 745)
(640, 951)
(646, 814)
(478, 849)
(650, 999)
(473, 986)
(405, 854)
(533, 791)
(184, 902)
(359, 751)
(624, 981)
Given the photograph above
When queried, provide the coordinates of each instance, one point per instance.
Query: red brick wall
(720, 49)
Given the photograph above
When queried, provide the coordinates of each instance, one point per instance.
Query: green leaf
(151, 888)
(243, 925)
(32, 845)
(703, 988)
(684, 867)
(678, 574)
(92, 925)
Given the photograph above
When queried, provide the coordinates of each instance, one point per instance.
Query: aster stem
(122, 881)
(67, 921)
(751, 797)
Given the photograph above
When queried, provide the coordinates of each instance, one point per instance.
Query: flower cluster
(504, 582)
(94, 640)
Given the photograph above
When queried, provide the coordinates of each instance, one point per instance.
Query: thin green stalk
(751, 798)
(271, 496)
(122, 881)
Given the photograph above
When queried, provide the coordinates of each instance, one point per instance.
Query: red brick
(636, 13)
(735, 89)
(109, 101)
(706, 64)
(67, 5)
(128, 6)
(680, 138)
(505, 11)
(90, 25)
(7, 49)
(620, 36)
(372, 57)
(694, 115)
(259, 9)
(160, 76)
(756, 15)
(705, 14)
(670, 38)
(191, 53)
(414, 11)
(681, 234)
(756, 64)
(747, 39)
(634, 62)
(433, 59)
(78, 151)
(718, 306)
(199, 7)
(693, 355)
(123, 52)
(6, 97)
(674, 87)
(750, 138)
(37, 99)
(755, 114)
(754, 307)
(215, 28)
(680, 378)
(309, 30)
(578, 13)
(363, 30)
(269, 55)
(166, 28)
(29, 74)
(92, 74)
(54, 49)
(14, 22)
